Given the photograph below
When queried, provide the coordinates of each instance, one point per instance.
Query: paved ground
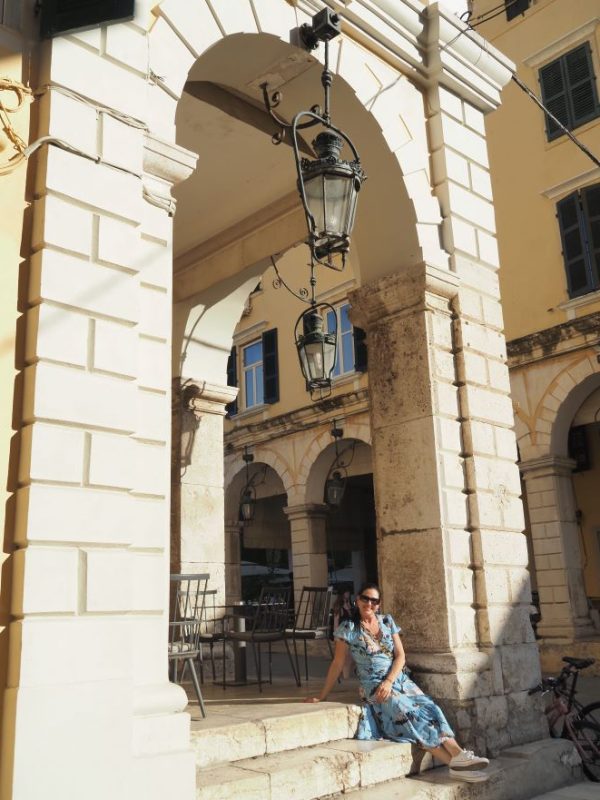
(582, 791)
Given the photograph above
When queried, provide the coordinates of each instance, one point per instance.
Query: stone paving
(581, 791)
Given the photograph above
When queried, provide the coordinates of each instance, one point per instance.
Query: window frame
(337, 375)
(258, 384)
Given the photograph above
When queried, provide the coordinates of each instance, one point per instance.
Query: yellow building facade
(547, 195)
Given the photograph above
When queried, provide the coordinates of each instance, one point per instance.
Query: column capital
(205, 397)
(417, 287)
(306, 510)
(547, 466)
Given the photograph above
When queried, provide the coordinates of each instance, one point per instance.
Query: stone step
(306, 773)
(522, 773)
(233, 733)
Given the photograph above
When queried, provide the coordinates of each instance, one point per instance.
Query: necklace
(377, 640)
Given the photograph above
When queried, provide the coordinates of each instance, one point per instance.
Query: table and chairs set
(197, 623)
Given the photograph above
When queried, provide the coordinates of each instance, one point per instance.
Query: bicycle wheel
(587, 731)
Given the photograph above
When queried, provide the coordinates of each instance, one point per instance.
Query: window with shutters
(258, 370)
(351, 347)
(516, 7)
(579, 222)
(569, 90)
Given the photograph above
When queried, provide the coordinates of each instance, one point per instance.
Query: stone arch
(588, 372)
(544, 430)
(183, 32)
(262, 455)
(317, 457)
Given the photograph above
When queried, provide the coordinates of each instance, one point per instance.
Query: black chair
(311, 621)
(211, 631)
(188, 595)
(266, 623)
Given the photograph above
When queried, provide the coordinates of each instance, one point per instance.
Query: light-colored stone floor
(581, 791)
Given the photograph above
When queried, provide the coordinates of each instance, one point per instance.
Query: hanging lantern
(334, 489)
(329, 186)
(248, 504)
(317, 349)
(248, 495)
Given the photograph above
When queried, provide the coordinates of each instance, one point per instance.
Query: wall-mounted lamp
(190, 422)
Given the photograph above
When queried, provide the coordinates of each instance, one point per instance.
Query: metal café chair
(265, 625)
(311, 621)
(188, 594)
(211, 631)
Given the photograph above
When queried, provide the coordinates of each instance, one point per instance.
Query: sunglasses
(366, 599)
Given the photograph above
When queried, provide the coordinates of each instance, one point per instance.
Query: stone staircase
(291, 751)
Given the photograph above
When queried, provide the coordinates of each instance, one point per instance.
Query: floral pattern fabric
(407, 715)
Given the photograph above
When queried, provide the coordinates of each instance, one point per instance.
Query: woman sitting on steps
(403, 713)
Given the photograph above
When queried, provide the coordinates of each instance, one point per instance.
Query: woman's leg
(440, 753)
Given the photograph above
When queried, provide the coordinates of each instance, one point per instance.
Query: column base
(486, 713)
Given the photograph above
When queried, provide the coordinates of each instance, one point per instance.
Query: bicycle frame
(566, 708)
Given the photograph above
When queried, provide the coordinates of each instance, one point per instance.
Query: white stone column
(202, 504)
(88, 688)
(309, 545)
(557, 551)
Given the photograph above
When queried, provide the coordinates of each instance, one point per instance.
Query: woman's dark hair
(363, 588)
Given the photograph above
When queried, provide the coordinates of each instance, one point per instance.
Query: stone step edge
(343, 765)
(243, 738)
(543, 766)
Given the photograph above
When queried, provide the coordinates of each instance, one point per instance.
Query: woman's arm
(384, 689)
(333, 673)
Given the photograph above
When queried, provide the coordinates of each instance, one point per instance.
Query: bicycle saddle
(579, 663)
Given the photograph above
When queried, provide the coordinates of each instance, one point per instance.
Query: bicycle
(569, 719)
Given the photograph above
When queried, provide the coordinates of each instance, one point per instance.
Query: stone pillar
(557, 552)
(452, 562)
(309, 545)
(233, 557)
(88, 688)
(202, 508)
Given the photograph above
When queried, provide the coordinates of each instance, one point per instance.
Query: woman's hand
(312, 699)
(383, 691)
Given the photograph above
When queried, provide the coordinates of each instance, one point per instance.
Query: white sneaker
(469, 775)
(468, 760)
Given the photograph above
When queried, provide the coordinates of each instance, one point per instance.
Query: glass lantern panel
(315, 363)
(350, 210)
(329, 350)
(338, 189)
(315, 201)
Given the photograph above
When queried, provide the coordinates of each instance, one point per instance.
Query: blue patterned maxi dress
(407, 715)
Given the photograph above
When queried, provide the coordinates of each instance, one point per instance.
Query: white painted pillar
(202, 510)
(557, 551)
(88, 690)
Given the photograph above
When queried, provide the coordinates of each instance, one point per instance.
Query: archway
(258, 552)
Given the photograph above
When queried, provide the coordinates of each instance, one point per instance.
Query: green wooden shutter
(231, 409)
(65, 16)
(582, 85)
(554, 96)
(590, 198)
(573, 237)
(270, 366)
(361, 358)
